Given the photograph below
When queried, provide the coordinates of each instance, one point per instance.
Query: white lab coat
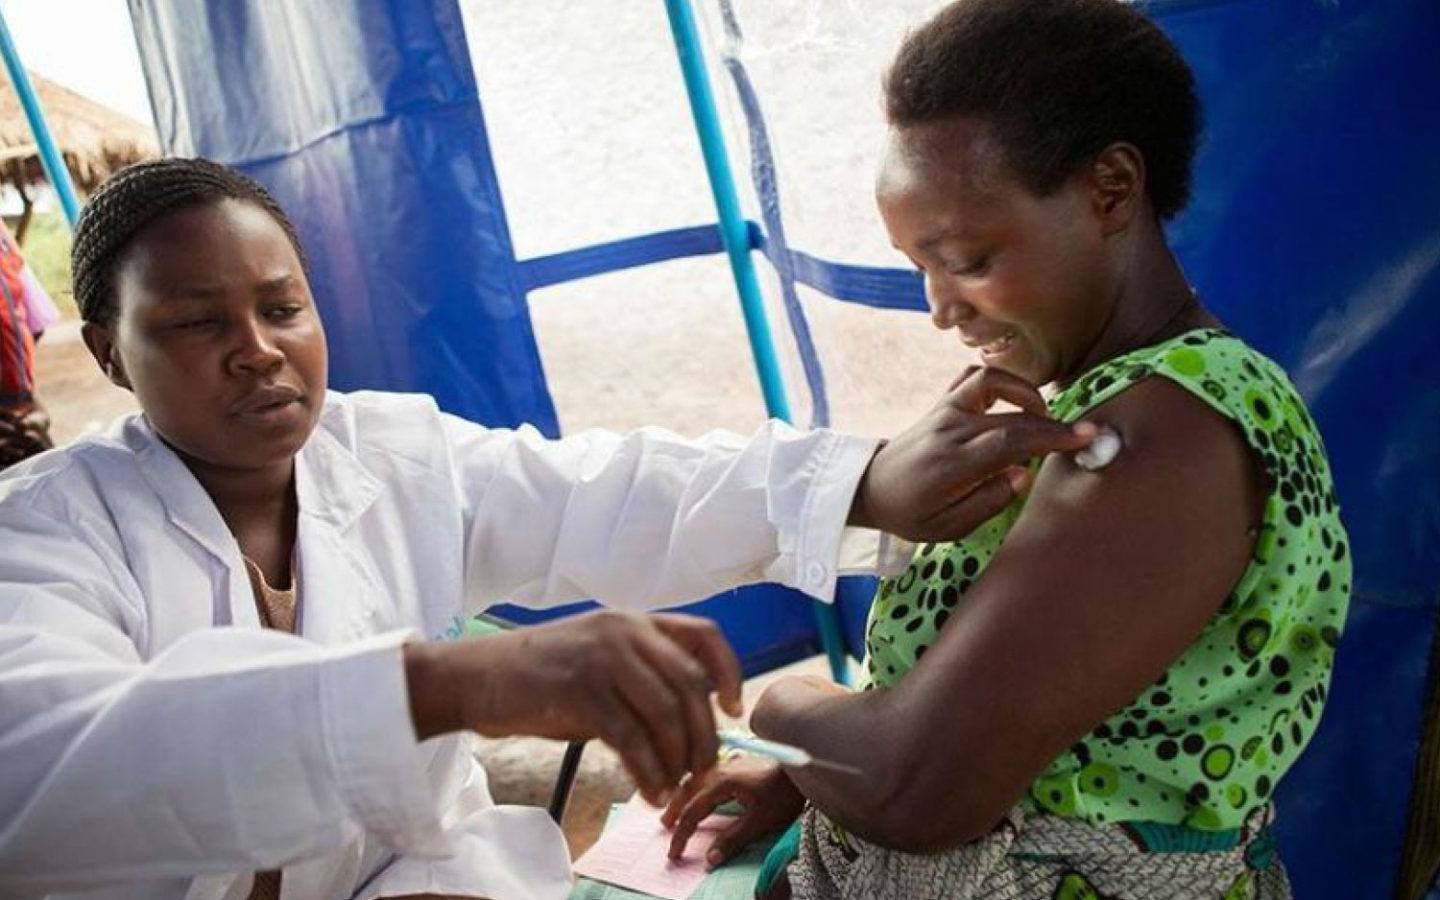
(156, 742)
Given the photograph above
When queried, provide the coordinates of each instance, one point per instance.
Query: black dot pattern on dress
(1206, 744)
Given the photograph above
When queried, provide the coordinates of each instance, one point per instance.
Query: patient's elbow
(921, 816)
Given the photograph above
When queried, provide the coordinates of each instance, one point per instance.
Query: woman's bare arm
(1104, 580)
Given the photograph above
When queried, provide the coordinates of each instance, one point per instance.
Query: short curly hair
(1059, 80)
(138, 196)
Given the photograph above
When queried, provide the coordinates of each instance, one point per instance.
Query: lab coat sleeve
(650, 519)
(496, 852)
(230, 750)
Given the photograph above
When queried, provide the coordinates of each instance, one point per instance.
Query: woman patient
(1126, 661)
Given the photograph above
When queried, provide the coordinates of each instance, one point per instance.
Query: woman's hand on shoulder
(961, 464)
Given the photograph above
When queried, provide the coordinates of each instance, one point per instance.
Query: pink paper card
(634, 853)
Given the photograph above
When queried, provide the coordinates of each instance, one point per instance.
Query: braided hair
(137, 196)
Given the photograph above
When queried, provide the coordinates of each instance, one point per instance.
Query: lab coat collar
(187, 506)
(330, 483)
(333, 489)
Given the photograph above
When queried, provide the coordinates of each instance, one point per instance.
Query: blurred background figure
(25, 312)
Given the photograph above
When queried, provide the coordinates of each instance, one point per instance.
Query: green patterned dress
(1183, 775)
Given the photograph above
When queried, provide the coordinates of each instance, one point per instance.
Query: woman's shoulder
(1219, 369)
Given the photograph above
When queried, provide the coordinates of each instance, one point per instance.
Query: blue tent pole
(733, 230)
(734, 233)
(49, 155)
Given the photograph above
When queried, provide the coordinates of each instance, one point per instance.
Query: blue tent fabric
(769, 626)
(1315, 233)
(364, 121)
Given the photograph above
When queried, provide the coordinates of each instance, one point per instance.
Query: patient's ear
(1117, 186)
(100, 340)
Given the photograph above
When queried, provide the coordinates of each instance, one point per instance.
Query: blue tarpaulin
(1314, 232)
(363, 120)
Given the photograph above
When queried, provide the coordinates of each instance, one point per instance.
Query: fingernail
(712, 858)
(1085, 429)
(1017, 479)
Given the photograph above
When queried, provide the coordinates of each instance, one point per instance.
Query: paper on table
(634, 853)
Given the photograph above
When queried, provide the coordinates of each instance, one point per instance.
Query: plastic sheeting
(363, 120)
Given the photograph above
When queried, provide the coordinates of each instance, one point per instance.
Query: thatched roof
(94, 139)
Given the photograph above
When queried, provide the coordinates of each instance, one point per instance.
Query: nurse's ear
(100, 340)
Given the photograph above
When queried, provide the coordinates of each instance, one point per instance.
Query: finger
(985, 501)
(984, 388)
(735, 837)
(703, 640)
(1010, 439)
(628, 735)
(964, 374)
(687, 680)
(659, 709)
(701, 805)
(688, 788)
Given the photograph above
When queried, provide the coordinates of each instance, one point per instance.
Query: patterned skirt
(1044, 857)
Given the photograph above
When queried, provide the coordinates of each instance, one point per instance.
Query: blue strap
(880, 288)
(542, 271)
(762, 175)
(872, 286)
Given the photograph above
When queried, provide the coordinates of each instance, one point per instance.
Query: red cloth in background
(17, 345)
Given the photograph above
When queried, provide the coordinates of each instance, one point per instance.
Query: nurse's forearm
(651, 519)
(640, 683)
(429, 690)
